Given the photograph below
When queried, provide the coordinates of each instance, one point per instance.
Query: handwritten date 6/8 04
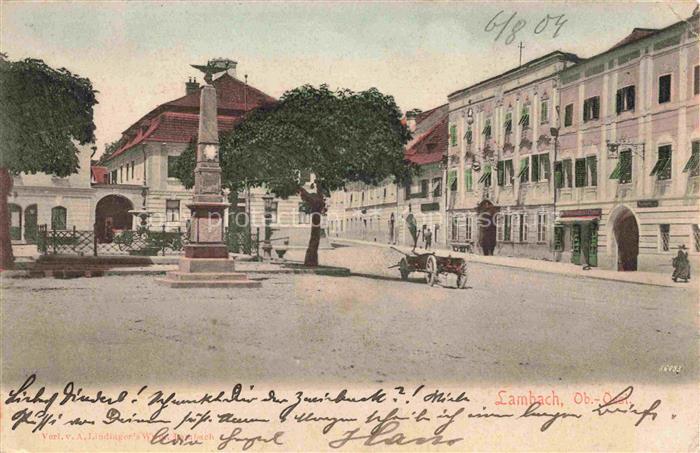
(503, 25)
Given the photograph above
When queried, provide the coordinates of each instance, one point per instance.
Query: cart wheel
(431, 270)
(462, 277)
(403, 269)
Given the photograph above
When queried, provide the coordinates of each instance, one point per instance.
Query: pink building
(627, 162)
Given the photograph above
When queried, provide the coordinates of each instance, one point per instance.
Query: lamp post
(267, 245)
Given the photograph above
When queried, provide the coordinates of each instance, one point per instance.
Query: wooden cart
(433, 266)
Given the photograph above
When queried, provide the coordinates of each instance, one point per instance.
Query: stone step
(209, 283)
(206, 276)
(206, 265)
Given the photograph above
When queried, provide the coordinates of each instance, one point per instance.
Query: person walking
(681, 265)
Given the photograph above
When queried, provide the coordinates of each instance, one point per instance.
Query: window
(524, 167)
(541, 227)
(452, 180)
(500, 172)
(468, 136)
(525, 117)
(664, 236)
(468, 179)
(662, 168)
(696, 80)
(172, 161)
(487, 129)
(624, 99)
(424, 183)
(558, 175)
(113, 177)
(522, 228)
(172, 210)
(509, 170)
(132, 169)
(535, 164)
(623, 170)
(566, 164)
(696, 237)
(580, 168)
(693, 164)
(121, 173)
(486, 177)
(455, 228)
(591, 108)
(59, 218)
(568, 115)
(665, 88)
(507, 221)
(508, 124)
(453, 135)
(273, 212)
(545, 168)
(544, 112)
(469, 228)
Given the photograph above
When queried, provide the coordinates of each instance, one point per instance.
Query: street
(508, 326)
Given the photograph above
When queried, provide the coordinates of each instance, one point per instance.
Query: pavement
(509, 325)
(549, 267)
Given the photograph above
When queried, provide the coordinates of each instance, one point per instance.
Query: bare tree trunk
(7, 259)
(317, 204)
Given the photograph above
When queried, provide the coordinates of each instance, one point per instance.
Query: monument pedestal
(207, 273)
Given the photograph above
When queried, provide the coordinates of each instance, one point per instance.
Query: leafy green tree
(110, 148)
(45, 113)
(337, 136)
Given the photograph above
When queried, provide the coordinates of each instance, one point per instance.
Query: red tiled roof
(431, 146)
(98, 174)
(177, 121)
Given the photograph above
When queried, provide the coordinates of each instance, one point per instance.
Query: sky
(138, 54)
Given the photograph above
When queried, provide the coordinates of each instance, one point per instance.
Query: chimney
(191, 86)
(411, 119)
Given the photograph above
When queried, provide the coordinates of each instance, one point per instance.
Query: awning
(582, 218)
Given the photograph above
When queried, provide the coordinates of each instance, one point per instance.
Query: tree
(45, 113)
(336, 136)
(110, 148)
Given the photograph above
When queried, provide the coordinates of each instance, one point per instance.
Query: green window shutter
(468, 179)
(625, 167)
(453, 134)
(451, 178)
(486, 177)
(616, 172)
(576, 243)
(693, 163)
(544, 163)
(509, 169)
(535, 167)
(524, 166)
(580, 172)
(592, 164)
(500, 169)
(662, 168)
(558, 177)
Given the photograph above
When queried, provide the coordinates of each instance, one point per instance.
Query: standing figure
(681, 266)
(428, 234)
(109, 231)
(412, 228)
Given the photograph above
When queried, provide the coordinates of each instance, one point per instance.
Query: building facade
(500, 185)
(379, 213)
(627, 165)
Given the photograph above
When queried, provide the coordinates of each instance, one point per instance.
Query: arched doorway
(30, 223)
(112, 213)
(487, 226)
(626, 233)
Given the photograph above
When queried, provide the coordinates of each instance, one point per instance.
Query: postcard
(349, 226)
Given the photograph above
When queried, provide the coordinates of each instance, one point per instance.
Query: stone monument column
(206, 263)
(208, 204)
